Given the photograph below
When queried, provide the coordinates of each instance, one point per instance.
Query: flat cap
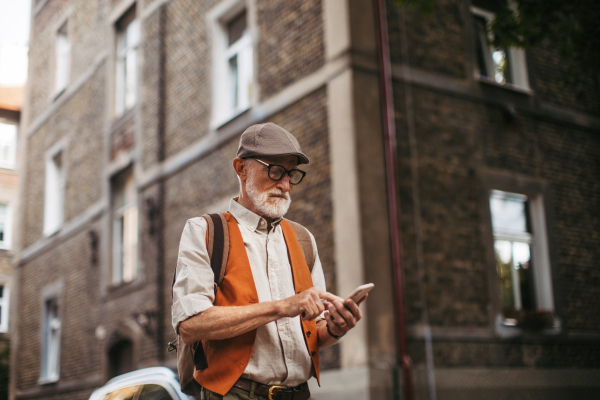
(269, 140)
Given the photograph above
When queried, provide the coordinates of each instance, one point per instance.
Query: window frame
(116, 273)
(128, 19)
(6, 243)
(516, 58)
(54, 207)
(10, 163)
(543, 253)
(218, 19)
(51, 294)
(4, 308)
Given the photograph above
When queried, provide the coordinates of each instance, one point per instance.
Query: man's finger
(329, 296)
(353, 308)
(345, 313)
(335, 316)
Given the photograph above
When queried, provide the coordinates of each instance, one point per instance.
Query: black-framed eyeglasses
(277, 172)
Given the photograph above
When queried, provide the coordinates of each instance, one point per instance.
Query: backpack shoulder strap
(217, 244)
(305, 243)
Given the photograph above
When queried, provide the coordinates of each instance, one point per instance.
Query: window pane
(236, 28)
(522, 264)
(128, 393)
(8, 141)
(508, 212)
(234, 81)
(504, 267)
(130, 66)
(155, 392)
(481, 45)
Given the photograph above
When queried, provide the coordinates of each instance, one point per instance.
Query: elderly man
(256, 331)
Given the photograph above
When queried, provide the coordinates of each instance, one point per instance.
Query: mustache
(276, 192)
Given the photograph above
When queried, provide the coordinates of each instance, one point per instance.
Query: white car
(156, 383)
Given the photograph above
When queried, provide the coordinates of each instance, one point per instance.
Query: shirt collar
(247, 218)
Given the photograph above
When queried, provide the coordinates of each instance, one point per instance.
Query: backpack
(192, 357)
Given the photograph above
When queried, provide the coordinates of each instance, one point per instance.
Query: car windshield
(139, 392)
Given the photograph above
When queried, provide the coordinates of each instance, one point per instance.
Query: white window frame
(516, 58)
(51, 334)
(223, 109)
(8, 144)
(538, 241)
(54, 194)
(4, 308)
(122, 252)
(126, 62)
(6, 243)
(62, 46)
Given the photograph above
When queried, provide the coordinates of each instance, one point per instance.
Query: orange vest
(228, 358)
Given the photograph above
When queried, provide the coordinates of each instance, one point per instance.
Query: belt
(275, 392)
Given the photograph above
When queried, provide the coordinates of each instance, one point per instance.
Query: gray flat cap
(269, 140)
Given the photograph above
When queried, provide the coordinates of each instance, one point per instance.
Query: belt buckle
(273, 388)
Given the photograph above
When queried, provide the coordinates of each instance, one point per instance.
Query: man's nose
(284, 183)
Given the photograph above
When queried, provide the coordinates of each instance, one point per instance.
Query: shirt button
(308, 333)
(314, 353)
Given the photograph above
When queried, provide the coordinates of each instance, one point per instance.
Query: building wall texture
(452, 131)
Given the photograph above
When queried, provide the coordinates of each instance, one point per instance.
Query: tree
(571, 26)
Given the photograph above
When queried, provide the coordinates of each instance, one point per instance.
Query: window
(503, 66)
(54, 195)
(522, 259)
(128, 38)
(125, 228)
(5, 226)
(233, 65)
(8, 145)
(4, 308)
(148, 391)
(63, 59)
(51, 344)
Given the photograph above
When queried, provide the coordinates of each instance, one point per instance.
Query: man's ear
(241, 169)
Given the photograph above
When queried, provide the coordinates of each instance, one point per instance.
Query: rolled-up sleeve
(193, 291)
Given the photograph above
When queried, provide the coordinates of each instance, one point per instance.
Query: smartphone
(360, 292)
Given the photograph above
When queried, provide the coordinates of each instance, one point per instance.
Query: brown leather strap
(305, 243)
(297, 393)
(217, 244)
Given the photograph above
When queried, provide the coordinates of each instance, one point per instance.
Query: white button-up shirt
(280, 356)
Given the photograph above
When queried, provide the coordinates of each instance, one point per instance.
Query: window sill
(511, 328)
(507, 86)
(233, 114)
(47, 381)
(56, 94)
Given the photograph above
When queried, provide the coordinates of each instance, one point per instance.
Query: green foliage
(4, 367)
(425, 7)
(570, 26)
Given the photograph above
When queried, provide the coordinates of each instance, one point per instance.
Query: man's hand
(341, 316)
(307, 303)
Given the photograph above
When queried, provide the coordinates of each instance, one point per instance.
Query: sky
(14, 38)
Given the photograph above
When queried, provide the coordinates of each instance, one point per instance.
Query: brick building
(133, 117)
(11, 101)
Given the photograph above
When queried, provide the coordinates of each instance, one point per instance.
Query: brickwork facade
(454, 132)
(459, 137)
(96, 146)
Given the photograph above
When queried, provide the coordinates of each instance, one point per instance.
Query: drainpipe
(160, 198)
(389, 127)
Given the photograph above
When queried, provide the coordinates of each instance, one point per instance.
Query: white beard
(267, 206)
